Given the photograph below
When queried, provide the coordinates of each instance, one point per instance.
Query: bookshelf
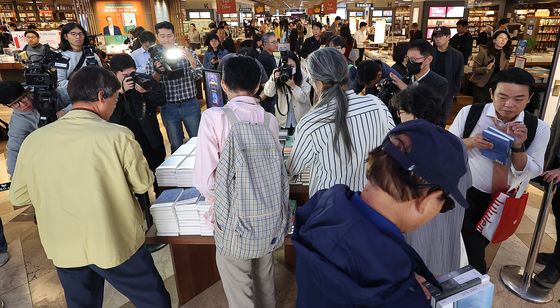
(481, 17)
(7, 11)
(547, 33)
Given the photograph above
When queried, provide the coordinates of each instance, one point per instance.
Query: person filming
(292, 89)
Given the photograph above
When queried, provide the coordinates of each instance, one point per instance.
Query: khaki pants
(248, 283)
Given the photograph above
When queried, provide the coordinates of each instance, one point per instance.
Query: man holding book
(511, 92)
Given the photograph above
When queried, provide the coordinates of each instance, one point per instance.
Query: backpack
(252, 214)
(529, 119)
(4, 128)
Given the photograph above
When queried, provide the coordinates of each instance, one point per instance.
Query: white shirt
(415, 81)
(141, 58)
(368, 121)
(360, 37)
(111, 30)
(481, 166)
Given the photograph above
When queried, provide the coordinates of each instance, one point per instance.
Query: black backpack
(530, 120)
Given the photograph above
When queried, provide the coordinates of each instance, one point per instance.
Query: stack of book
(203, 207)
(163, 212)
(184, 172)
(465, 287)
(187, 149)
(502, 142)
(302, 178)
(187, 212)
(165, 173)
(288, 144)
(177, 170)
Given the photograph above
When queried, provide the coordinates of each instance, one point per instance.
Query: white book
(479, 296)
(171, 163)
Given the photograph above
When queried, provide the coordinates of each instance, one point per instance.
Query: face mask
(293, 71)
(413, 67)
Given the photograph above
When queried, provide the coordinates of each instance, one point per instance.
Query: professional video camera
(387, 88)
(169, 58)
(40, 76)
(283, 67)
(143, 80)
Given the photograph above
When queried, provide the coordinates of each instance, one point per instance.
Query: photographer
(73, 39)
(290, 84)
(24, 118)
(138, 100)
(182, 106)
(215, 53)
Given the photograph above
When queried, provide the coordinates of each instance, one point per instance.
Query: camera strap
(79, 65)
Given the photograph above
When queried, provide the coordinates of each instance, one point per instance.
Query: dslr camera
(387, 88)
(283, 67)
(143, 80)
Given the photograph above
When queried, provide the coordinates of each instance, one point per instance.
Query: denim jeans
(3, 243)
(175, 115)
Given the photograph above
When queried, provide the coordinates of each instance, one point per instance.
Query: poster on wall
(226, 6)
(117, 18)
(259, 8)
(329, 7)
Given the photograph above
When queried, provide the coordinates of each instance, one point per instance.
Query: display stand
(519, 280)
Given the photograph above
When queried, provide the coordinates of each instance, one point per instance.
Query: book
(454, 282)
(479, 296)
(501, 150)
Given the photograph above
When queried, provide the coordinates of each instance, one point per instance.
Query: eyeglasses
(77, 34)
(17, 101)
(448, 202)
(400, 113)
(414, 60)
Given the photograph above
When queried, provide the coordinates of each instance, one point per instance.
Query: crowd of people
(369, 235)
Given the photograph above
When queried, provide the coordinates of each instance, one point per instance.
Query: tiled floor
(29, 279)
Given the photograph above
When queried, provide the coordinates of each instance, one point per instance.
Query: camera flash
(174, 53)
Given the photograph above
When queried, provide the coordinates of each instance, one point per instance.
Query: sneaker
(548, 277)
(544, 258)
(4, 257)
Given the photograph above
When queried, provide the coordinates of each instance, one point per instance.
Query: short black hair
(419, 100)
(426, 49)
(242, 73)
(64, 44)
(32, 32)
(85, 84)
(212, 25)
(368, 71)
(121, 62)
(503, 21)
(10, 90)
(514, 75)
(363, 24)
(399, 52)
(147, 36)
(337, 41)
(165, 25)
(463, 22)
(318, 25)
(248, 51)
(337, 18)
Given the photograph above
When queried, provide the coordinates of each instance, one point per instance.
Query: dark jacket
(481, 75)
(309, 45)
(483, 38)
(346, 258)
(415, 35)
(453, 72)
(269, 63)
(146, 131)
(551, 160)
(117, 30)
(229, 45)
(463, 43)
(440, 85)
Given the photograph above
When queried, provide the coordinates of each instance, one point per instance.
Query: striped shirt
(368, 120)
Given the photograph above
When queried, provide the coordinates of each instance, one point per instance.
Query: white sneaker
(4, 257)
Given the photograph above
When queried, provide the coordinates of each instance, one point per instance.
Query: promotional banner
(226, 6)
(316, 9)
(45, 37)
(117, 18)
(259, 8)
(329, 7)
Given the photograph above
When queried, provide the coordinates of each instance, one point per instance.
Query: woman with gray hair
(334, 138)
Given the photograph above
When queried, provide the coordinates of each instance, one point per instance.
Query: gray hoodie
(21, 125)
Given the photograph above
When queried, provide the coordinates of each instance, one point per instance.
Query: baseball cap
(441, 31)
(435, 155)
(10, 90)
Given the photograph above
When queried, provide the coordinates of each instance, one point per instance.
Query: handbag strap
(79, 65)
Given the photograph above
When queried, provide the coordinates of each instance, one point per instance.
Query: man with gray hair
(266, 58)
(81, 174)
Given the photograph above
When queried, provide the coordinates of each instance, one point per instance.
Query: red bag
(504, 214)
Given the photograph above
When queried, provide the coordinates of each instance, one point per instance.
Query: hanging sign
(226, 6)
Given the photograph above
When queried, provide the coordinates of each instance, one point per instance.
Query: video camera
(169, 58)
(283, 67)
(40, 76)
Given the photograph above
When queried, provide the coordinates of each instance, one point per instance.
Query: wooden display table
(194, 256)
(11, 72)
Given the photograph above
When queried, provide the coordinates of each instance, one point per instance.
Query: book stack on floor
(502, 142)
(163, 212)
(465, 287)
(206, 229)
(187, 212)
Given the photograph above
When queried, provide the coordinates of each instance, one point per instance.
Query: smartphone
(491, 60)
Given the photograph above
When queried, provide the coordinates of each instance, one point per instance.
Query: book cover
(168, 196)
(189, 196)
(479, 296)
(502, 146)
(453, 283)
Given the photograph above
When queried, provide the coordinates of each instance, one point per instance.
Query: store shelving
(548, 31)
(481, 17)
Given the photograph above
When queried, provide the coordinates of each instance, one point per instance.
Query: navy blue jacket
(349, 255)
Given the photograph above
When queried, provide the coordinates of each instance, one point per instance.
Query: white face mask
(293, 71)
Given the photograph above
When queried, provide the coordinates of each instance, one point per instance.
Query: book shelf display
(547, 33)
(65, 12)
(7, 11)
(443, 16)
(26, 12)
(481, 17)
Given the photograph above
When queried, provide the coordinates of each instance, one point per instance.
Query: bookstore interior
(179, 214)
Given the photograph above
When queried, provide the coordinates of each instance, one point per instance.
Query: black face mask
(413, 67)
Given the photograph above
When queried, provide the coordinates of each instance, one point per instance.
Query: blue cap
(435, 155)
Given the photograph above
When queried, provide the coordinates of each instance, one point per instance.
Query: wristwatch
(518, 150)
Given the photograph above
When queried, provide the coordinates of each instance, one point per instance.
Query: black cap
(441, 31)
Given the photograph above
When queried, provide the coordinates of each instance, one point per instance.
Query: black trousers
(475, 242)
(556, 211)
(361, 55)
(481, 95)
(137, 279)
